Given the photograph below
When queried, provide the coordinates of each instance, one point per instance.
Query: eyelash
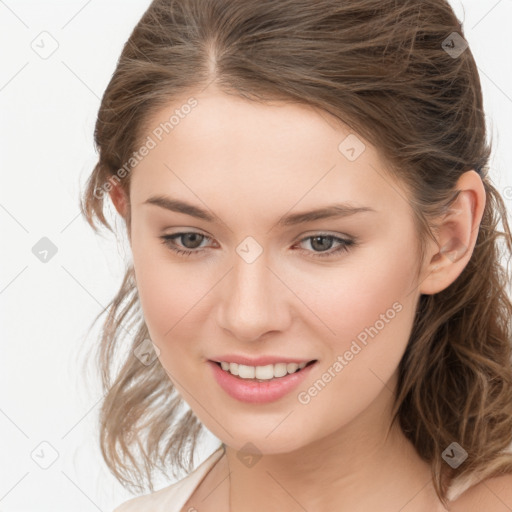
(346, 244)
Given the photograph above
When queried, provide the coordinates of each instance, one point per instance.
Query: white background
(48, 109)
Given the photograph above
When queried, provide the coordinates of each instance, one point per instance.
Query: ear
(456, 236)
(118, 197)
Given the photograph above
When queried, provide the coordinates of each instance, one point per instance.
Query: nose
(253, 301)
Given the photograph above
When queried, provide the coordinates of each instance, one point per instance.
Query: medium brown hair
(381, 67)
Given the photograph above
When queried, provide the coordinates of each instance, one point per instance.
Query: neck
(366, 465)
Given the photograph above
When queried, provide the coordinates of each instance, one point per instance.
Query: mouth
(260, 384)
(265, 373)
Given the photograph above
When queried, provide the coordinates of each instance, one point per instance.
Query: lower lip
(251, 391)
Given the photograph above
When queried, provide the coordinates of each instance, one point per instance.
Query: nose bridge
(252, 302)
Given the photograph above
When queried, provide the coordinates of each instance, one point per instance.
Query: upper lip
(258, 361)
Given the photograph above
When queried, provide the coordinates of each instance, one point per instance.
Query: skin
(249, 164)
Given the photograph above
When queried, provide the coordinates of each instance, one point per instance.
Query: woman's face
(263, 279)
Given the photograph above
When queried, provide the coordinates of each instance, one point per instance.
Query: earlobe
(456, 233)
(118, 197)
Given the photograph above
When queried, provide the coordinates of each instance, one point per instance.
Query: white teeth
(246, 372)
(280, 370)
(266, 372)
(292, 367)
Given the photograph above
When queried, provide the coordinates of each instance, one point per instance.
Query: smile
(267, 372)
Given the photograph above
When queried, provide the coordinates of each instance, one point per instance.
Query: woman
(316, 261)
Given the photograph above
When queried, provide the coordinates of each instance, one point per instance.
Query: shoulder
(491, 495)
(154, 502)
(174, 496)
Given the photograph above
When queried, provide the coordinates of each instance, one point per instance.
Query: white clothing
(173, 497)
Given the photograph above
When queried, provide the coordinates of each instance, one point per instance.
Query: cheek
(175, 297)
(367, 309)
(377, 304)
(373, 287)
(370, 314)
(166, 290)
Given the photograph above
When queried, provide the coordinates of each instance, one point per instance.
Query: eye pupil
(323, 246)
(195, 237)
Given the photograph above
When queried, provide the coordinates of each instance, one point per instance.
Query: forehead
(279, 153)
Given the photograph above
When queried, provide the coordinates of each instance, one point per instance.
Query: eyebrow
(329, 211)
